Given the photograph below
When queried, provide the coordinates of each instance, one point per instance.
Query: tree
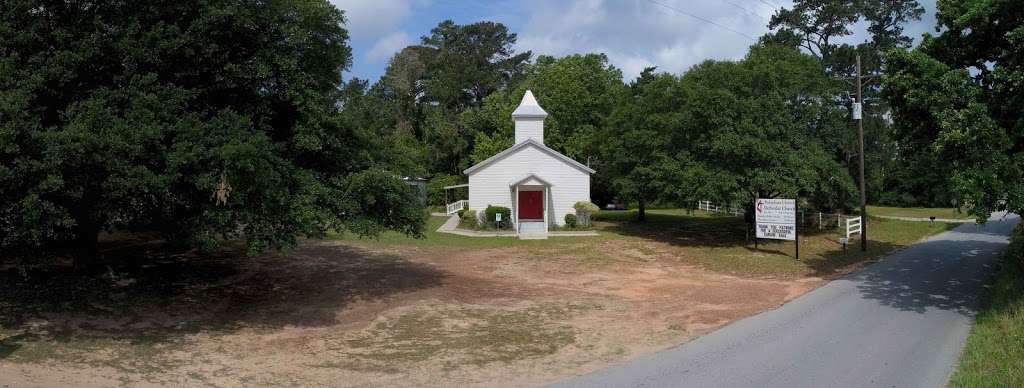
(957, 95)
(469, 62)
(816, 23)
(203, 120)
(402, 84)
(757, 127)
(635, 158)
(817, 26)
(579, 92)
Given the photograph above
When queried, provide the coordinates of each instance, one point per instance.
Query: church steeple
(529, 119)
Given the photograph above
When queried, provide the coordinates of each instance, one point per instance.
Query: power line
(773, 5)
(745, 9)
(702, 19)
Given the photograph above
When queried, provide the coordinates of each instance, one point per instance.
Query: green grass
(994, 353)
(917, 212)
(713, 241)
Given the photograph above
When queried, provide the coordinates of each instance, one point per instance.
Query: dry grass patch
(464, 334)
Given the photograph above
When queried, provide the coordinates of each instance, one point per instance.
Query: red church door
(531, 205)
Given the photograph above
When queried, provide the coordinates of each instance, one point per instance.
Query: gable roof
(524, 144)
(527, 178)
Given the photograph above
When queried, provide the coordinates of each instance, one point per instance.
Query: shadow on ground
(144, 295)
(921, 278)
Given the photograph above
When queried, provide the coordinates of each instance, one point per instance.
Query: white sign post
(776, 219)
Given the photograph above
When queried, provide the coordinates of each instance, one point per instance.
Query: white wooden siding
(490, 185)
(529, 128)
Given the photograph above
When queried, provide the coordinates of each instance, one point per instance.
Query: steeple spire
(529, 119)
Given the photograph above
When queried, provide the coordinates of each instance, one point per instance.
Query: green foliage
(570, 220)
(436, 191)
(204, 121)
(636, 159)
(469, 62)
(579, 92)
(490, 214)
(817, 26)
(586, 211)
(729, 131)
(971, 122)
(586, 206)
(994, 352)
(468, 218)
(485, 146)
(767, 118)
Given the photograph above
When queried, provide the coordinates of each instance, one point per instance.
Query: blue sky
(670, 34)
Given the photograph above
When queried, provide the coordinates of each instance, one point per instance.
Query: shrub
(570, 220)
(506, 215)
(586, 206)
(585, 212)
(468, 219)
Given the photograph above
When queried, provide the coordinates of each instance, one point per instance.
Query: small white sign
(497, 217)
(775, 218)
(856, 111)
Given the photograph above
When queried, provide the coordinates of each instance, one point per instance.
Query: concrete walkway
(451, 226)
(901, 322)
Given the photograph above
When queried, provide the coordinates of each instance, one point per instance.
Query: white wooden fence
(454, 207)
(824, 220)
(853, 226)
(713, 208)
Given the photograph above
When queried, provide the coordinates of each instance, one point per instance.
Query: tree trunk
(641, 213)
(86, 245)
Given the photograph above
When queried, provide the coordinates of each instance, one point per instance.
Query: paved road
(901, 322)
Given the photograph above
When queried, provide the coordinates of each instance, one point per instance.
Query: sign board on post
(775, 218)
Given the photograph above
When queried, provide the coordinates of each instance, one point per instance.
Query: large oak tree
(204, 120)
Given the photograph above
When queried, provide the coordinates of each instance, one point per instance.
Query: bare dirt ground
(342, 314)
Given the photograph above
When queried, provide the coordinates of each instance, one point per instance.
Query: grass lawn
(918, 212)
(994, 354)
(441, 310)
(710, 240)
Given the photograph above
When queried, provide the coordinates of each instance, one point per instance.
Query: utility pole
(859, 116)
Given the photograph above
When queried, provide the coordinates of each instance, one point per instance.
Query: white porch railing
(454, 207)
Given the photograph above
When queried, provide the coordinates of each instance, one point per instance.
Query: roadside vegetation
(994, 354)
(919, 212)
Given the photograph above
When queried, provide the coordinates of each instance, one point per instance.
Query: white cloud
(388, 46)
(375, 18)
(671, 34)
(639, 33)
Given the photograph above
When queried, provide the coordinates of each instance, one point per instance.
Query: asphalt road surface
(898, 323)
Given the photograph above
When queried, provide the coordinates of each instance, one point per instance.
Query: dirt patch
(332, 314)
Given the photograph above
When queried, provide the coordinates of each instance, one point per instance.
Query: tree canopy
(203, 120)
(957, 99)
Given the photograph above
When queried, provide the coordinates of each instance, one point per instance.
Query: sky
(670, 34)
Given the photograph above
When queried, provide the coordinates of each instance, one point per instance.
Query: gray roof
(529, 107)
(528, 143)
(524, 178)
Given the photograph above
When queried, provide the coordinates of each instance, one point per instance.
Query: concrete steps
(532, 230)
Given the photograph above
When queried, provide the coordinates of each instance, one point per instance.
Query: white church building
(539, 184)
